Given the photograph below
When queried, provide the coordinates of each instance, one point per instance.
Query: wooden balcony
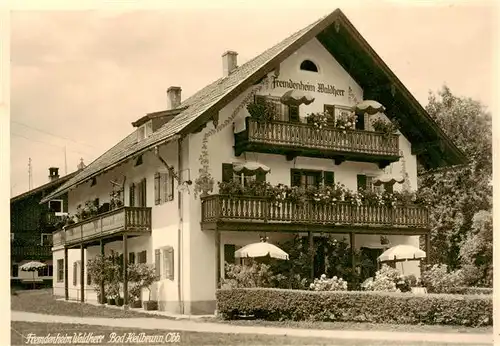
(31, 252)
(297, 139)
(133, 221)
(260, 214)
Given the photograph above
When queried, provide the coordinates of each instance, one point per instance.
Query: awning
(296, 98)
(250, 168)
(369, 107)
(388, 179)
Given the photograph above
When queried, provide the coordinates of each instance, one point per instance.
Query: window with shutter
(157, 189)
(361, 181)
(60, 270)
(329, 178)
(131, 258)
(293, 113)
(157, 263)
(167, 181)
(131, 195)
(168, 263)
(305, 178)
(142, 257)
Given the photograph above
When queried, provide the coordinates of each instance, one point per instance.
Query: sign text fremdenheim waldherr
(320, 87)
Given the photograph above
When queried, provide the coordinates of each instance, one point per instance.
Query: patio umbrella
(261, 249)
(370, 107)
(32, 266)
(249, 168)
(388, 179)
(402, 253)
(296, 98)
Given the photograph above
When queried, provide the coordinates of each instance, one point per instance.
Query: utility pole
(30, 182)
(65, 162)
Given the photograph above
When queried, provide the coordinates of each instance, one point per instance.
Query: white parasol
(402, 253)
(32, 266)
(388, 179)
(250, 167)
(261, 249)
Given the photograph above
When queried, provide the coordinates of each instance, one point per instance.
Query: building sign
(319, 87)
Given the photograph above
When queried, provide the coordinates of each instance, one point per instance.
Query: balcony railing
(31, 252)
(124, 219)
(216, 208)
(306, 140)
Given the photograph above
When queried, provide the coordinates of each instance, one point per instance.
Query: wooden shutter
(131, 258)
(142, 257)
(329, 178)
(75, 273)
(157, 189)
(227, 172)
(170, 257)
(168, 186)
(142, 193)
(131, 195)
(361, 181)
(229, 250)
(157, 263)
(295, 177)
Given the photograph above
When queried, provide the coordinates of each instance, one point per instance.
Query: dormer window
(144, 131)
(308, 65)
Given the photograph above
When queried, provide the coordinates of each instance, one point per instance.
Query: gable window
(311, 178)
(60, 270)
(164, 187)
(56, 206)
(228, 174)
(144, 131)
(308, 65)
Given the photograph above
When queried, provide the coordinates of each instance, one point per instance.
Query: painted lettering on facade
(300, 85)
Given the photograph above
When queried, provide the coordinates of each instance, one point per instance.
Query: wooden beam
(82, 273)
(217, 258)
(66, 286)
(125, 273)
(103, 292)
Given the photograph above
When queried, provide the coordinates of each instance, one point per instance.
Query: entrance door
(369, 262)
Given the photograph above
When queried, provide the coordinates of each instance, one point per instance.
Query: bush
(324, 284)
(243, 276)
(349, 306)
(437, 279)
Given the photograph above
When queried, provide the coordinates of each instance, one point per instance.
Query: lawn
(42, 302)
(18, 329)
(408, 328)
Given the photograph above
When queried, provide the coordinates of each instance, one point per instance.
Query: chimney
(53, 173)
(173, 97)
(229, 62)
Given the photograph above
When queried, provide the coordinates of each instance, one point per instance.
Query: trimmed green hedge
(473, 290)
(355, 306)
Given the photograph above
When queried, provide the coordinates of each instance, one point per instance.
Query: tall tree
(456, 194)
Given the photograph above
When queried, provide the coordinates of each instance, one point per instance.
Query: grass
(42, 302)
(408, 328)
(18, 329)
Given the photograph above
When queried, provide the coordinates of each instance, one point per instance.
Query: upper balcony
(250, 213)
(273, 129)
(109, 226)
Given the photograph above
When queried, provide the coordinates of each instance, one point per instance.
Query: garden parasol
(251, 167)
(32, 266)
(400, 253)
(261, 249)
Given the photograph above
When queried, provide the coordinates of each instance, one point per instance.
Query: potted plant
(146, 276)
(261, 111)
(135, 290)
(97, 268)
(386, 127)
(204, 183)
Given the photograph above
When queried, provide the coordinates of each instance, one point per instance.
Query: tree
(456, 194)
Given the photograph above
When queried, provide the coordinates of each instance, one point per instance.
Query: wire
(55, 145)
(52, 134)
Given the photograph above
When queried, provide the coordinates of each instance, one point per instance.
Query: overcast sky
(78, 79)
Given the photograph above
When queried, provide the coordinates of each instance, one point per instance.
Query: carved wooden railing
(241, 208)
(122, 219)
(307, 136)
(31, 252)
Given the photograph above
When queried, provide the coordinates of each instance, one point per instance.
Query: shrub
(437, 279)
(390, 280)
(348, 306)
(324, 284)
(243, 276)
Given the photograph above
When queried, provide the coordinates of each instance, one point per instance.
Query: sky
(80, 78)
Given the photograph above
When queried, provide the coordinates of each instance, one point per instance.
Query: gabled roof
(345, 43)
(47, 186)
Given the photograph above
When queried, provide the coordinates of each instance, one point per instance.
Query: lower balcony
(31, 252)
(133, 221)
(297, 139)
(241, 213)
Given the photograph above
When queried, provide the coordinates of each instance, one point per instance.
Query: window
(229, 250)
(142, 257)
(306, 178)
(164, 187)
(168, 263)
(56, 206)
(131, 258)
(336, 112)
(308, 65)
(365, 182)
(144, 131)
(60, 270)
(281, 112)
(46, 271)
(46, 239)
(15, 271)
(137, 194)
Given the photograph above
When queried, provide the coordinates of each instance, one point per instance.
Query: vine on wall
(205, 182)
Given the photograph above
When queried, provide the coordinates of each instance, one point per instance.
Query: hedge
(356, 306)
(473, 290)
